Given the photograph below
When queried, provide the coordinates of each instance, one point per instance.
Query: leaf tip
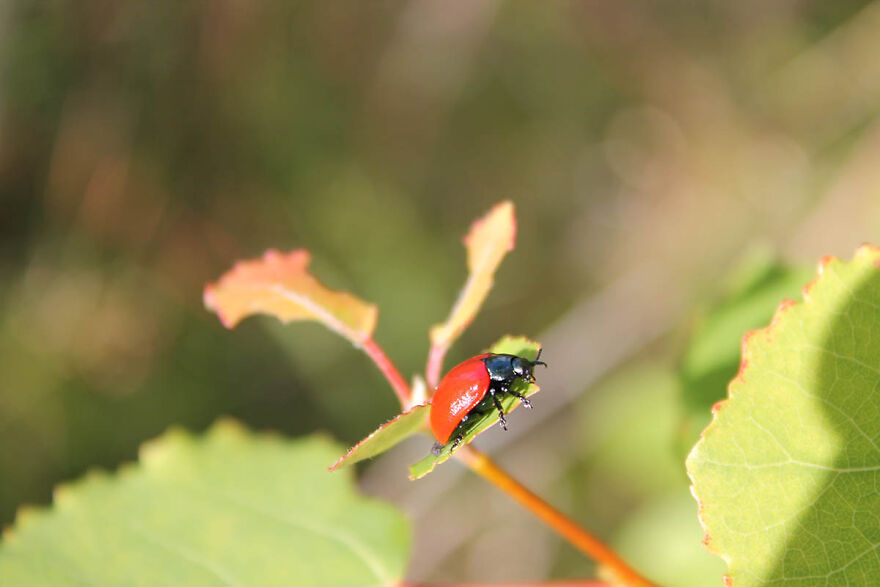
(416, 472)
(346, 460)
(502, 216)
(371, 317)
(390, 433)
(209, 299)
(340, 461)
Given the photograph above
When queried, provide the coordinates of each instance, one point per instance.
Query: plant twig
(435, 365)
(563, 583)
(398, 383)
(573, 533)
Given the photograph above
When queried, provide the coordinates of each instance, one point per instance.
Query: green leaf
(230, 508)
(786, 475)
(520, 346)
(712, 356)
(386, 436)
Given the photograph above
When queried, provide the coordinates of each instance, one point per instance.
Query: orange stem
(398, 383)
(574, 534)
(563, 583)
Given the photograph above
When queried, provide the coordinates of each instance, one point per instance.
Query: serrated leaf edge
(65, 494)
(781, 312)
(351, 451)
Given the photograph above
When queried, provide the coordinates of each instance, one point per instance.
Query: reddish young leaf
(386, 436)
(489, 239)
(280, 285)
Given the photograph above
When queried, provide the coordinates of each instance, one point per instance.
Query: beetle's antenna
(536, 361)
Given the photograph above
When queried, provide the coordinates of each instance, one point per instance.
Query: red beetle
(474, 387)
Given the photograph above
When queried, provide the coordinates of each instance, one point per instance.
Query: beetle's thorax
(500, 367)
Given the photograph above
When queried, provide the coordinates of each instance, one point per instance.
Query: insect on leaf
(488, 241)
(511, 345)
(786, 475)
(280, 285)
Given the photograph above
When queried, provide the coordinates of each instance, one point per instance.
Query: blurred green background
(664, 158)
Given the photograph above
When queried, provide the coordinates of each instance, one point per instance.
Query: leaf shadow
(835, 537)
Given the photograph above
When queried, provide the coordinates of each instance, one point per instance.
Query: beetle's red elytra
(476, 386)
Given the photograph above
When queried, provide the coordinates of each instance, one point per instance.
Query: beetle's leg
(438, 447)
(497, 403)
(522, 399)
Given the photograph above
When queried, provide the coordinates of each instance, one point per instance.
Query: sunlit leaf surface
(787, 475)
(520, 346)
(489, 240)
(280, 285)
(230, 508)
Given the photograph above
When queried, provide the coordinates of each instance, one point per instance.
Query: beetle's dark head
(524, 368)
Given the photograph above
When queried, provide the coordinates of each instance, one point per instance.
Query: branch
(435, 365)
(398, 383)
(574, 534)
(563, 583)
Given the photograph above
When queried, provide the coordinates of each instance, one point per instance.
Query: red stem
(398, 383)
(435, 365)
